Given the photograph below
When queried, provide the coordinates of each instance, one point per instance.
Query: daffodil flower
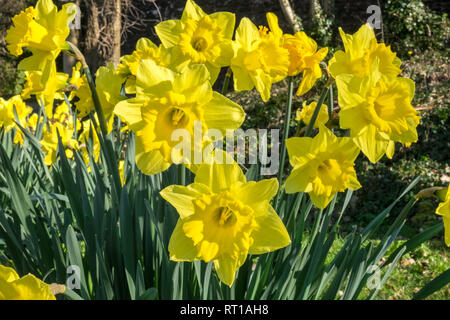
(83, 140)
(304, 57)
(361, 52)
(12, 287)
(378, 112)
(166, 101)
(199, 37)
(44, 31)
(146, 49)
(305, 114)
(108, 84)
(7, 117)
(223, 218)
(444, 210)
(259, 57)
(49, 141)
(322, 166)
(46, 86)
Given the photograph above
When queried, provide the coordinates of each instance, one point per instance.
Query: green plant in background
(321, 24)
(414, 26)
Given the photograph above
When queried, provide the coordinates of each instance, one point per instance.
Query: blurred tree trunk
(92, 35)
(117, 32)
(290, 15)
(103, 32)
(69, 61)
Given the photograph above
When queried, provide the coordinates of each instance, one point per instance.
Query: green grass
(414, 271)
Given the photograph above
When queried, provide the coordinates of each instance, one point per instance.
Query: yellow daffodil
(81, 90)
(8, 119)
(146, 49)
(444, 210)
(77, 79)
(121, 173)
(322, 166)
(259, 57)
(108, 84)
(304, 57)
(42, 29)
(62, 113)
(223, 218)
(84, 137)
(378, 112)
(166, 101)
(30, 124)
(199, 37)
(32, 121)
(45, 90)
(12, 287)
(7, 116)
(305, 114)
(361, 52)
(49, 141)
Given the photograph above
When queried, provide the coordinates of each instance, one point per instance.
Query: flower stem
(287, 120)
(226, 82)
(310, 126)
(96, 100)
(331, 103)
(181, 175)
(106, 143)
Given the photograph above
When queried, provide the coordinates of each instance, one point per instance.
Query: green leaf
(436, 284)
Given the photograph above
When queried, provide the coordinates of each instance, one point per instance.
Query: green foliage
(321, 26)
(413, 26)
(11, 78)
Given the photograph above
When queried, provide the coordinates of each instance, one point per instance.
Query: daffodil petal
(226, 20)
(219, 177)
(168, 32)
(310, 77)
(297, 146)
(371, 143)
(298, 180)
(270, 233)
(129, 111)
(257, 194)
(263, 84)
(8, 274)
(149, 75)
(223, 114)
(192, 11)
(247, 34)
(181, 247)
(183, 198)
(321, 201)
(151, 162)
(241, 79)
(226, 269)
(446, 220)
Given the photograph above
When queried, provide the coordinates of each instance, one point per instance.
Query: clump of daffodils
(160, 90)
(375, 103)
